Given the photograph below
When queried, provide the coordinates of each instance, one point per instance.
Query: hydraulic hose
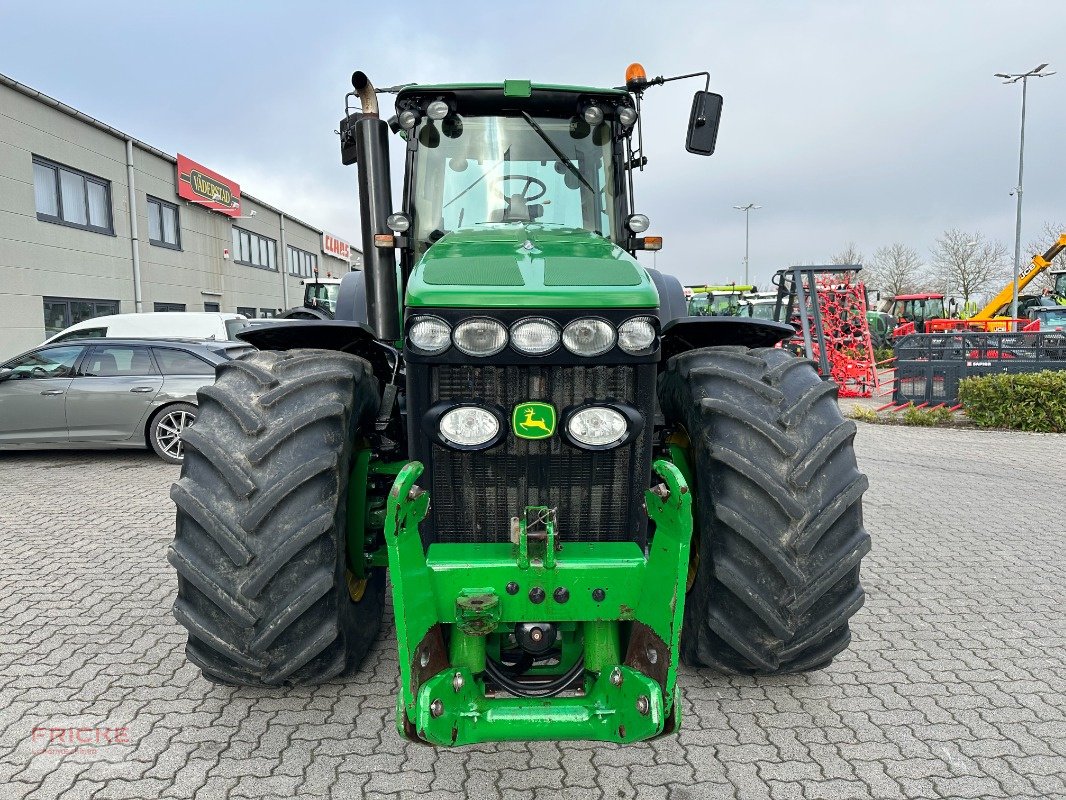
(520, 689)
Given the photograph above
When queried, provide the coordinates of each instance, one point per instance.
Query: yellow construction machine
(999, 306)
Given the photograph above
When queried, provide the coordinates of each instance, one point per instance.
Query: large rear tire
(260, 545)
(778, 510)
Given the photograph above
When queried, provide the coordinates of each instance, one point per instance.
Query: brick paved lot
(955, 685)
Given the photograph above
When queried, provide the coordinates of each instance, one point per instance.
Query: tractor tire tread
(260, 554)
(778, 510)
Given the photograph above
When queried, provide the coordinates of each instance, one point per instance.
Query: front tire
(778, 510)
(260, 546)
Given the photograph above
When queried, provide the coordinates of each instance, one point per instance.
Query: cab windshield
(762, 310)
(1052, 319)
(322, 295)
(473, 171)
(927, 308)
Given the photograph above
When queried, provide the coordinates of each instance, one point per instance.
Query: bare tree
(1049, 234)
(969, 264)
(849, 255)
(895, 269)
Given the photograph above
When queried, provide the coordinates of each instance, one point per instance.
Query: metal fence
(929, 366)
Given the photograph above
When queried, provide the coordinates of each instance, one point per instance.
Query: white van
(157, 325)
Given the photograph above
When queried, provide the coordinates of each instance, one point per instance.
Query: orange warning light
(636, 77)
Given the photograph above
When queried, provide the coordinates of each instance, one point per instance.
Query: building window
(254, 250)
(169, 307)
(62, 312)
(301, 263)
(247, 311)
(163, 227)
(268, 313)
(68, 196)
(212, 307)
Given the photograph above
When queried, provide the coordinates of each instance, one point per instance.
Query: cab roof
(509, 97)
(510, 88)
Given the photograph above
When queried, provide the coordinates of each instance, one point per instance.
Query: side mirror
(5, 373)
(347, 133)
(703, 123)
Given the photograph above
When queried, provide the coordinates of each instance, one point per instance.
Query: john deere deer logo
(533, 420)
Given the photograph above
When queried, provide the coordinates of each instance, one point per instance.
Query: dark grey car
(107, 393)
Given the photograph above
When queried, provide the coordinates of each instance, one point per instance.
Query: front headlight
(469, 426)
(597, 426)
(588, 337)
(534, 336)
(636, 336)
(480, 337)
(431, 335)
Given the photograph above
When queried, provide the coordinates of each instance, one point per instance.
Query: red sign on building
(207, 188)
(333, 246)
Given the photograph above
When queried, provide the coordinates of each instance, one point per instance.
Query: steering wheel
(497, 187)
(38, 371)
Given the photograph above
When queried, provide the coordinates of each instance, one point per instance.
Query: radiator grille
(598, 494)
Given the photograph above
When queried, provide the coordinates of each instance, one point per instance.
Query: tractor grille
(598, 494)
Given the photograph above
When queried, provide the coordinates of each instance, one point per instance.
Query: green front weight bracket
(627, 606)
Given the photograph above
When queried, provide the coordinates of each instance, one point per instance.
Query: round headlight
(469, 426)
(398, 223)
(535, 336)
(638, 223)
(438, 109)
(597, 426)
(480, 337)
(430, 334)
(588, 337)
(593, 115)
(626, 115)
(637, 335)
(408, 119)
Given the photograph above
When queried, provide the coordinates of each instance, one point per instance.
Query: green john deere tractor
(573, 485)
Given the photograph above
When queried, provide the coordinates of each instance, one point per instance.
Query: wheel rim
(168, 432)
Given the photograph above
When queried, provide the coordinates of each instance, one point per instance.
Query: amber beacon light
(636, 77)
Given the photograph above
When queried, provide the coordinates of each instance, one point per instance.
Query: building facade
(93, 222)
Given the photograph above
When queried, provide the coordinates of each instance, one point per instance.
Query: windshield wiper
(479, 180)
(559, 153)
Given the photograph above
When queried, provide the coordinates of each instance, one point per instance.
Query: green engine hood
(510, 265)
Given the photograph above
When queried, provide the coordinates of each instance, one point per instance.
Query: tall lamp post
(747, 213)
(1036, 72)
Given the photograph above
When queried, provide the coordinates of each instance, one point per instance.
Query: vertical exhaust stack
(375, 203)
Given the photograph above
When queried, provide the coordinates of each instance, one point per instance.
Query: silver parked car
(107, 393)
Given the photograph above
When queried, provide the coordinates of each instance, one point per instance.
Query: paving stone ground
(955, 685)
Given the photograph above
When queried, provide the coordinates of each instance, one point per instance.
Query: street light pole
(747, 213)
(1024, 77)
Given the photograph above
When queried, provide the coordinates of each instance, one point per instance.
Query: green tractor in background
(573, 484)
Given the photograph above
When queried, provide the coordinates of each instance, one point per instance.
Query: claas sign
(198, 184)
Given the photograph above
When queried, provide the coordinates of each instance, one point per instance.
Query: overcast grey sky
(866, 121)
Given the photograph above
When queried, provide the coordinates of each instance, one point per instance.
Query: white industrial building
(94, 221)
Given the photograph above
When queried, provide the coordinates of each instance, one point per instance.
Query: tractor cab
(762, 308)
(918, 308)
(319, 300)
(321, 293)
(1047, 318)
(488, 158)
(718, 301)
(1058, 285)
